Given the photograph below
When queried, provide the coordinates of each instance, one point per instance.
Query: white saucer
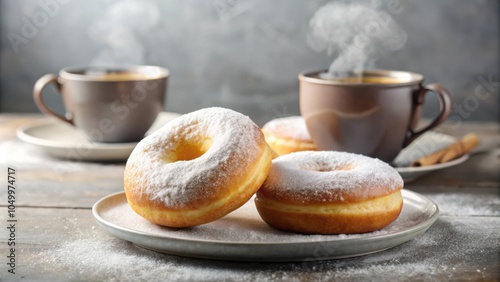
(428, 143)
(63, 141)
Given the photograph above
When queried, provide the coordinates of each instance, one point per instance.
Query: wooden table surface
(57, 239)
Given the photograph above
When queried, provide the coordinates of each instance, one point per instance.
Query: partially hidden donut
(197, 168)
(330, 192)
(287, 135)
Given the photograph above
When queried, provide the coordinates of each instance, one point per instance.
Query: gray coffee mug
(108, 104)
(374, 113)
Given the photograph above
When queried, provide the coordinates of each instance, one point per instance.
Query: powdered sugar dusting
(234, 144)
(293, 127)
(444, 252)
(92, 256)
(333, 175)
(463, 204)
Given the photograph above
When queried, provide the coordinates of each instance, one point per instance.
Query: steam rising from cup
(356, 34)
(119, 32)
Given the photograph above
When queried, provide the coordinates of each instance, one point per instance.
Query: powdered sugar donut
(330, 193)
(197, 168)
(287, 135)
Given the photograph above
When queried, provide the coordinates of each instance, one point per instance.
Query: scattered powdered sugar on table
(87, 253)
(293, 127)
(98, 260)
(461, 204)
(410, 270)
(93, 255)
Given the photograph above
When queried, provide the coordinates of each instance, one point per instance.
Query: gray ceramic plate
(243, 236)
(64, 141)
(428, 143)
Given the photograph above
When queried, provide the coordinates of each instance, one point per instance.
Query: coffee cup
(108, 104)
(374, 113)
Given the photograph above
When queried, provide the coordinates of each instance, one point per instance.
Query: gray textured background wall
(244, 55)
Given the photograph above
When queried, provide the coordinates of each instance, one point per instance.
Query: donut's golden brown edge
(345, 218)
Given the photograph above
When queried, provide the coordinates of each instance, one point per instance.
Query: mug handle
(444, 110)
(37, 95)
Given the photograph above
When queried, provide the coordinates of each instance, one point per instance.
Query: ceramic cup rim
(71, 73)
(406, 78)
